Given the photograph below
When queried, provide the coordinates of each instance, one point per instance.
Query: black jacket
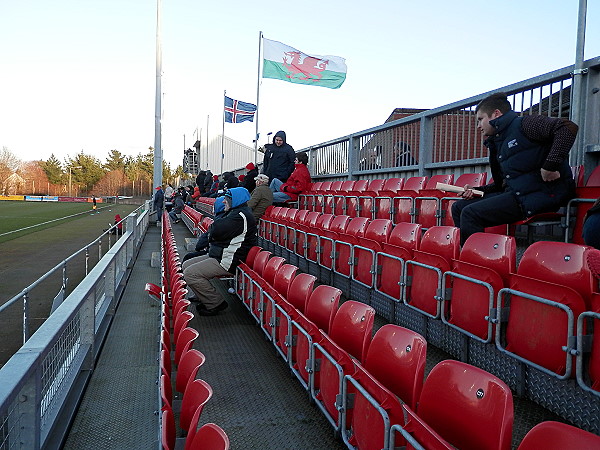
(279, 161)
(249, 182)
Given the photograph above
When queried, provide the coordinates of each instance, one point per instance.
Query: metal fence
(42, 383)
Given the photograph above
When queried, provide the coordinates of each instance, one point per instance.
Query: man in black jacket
(529, 160)
(230, 239)
(279, 158)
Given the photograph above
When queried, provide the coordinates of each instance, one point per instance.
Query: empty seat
(423, 274)
(184, 343)
(376, 236)
(343, 246)
(382, 202)
(188, 367)
(548, 292)
(352, 206)
(482, 403)
(197, 394)
(403, 206)
(485, 264)
(552, 435)
(428, 201)
(168, 426)
(588, 352)
(366, 206)
(210, 437)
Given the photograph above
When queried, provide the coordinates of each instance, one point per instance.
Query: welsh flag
(285, 63)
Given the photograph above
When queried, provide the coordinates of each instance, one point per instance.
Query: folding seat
(552, 287)
(382, 202)
(196, 395)
(242, 268)
(423, 274)
(292, 230)
(281, 284)
(166, 392)
(482, 403)
(306, 199)
(365, 205)
(349, 336)
(168, 436)
(403, 203)
(427, 203)
(579, 206)
(376, 235)
(326, 239)
(392, 373)
(188, 367)
(403, 240)
(475, 179)
(154, 291)
(351, 207)
(253, 288)
(588, 352)
(343, 246)
(312, 236)
(210, 437)
(300, 290)
(287, 220)
(339, 197)
(179, 306)
(484, 267)
(266, 285)
(328, 196)
(552, 435)
(270, 223)
(302, 231)
(181, 322)
(277, 220)
(318, 315)
(187, 337)
(320, 196)
(165, 362)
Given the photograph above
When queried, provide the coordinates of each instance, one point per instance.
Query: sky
(79, 75)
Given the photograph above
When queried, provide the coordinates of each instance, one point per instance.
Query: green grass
(15, 215)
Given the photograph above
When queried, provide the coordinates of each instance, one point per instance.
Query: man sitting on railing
(529, 160)
(230, 240)
(298, 182)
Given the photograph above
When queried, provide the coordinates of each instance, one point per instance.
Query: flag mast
(257, 99)
(223, 135)
(157, 172)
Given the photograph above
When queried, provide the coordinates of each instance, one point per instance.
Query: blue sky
(80, 74)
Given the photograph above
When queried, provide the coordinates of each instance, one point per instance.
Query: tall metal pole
(223, 136)
(576, 112)
(158, 156)
(207, 120)
(257, 100)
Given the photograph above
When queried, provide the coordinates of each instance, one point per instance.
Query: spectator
(117, 227)
(195, 196)
(279, 158)
(208, 182)
(178, 205)
(94, 203)
(402, 155)
(591, 226)
(529, 163)
(297, 183)
(252, 173)
(202, 243)
(200, 180)
(230, 240)
(262, 196)
(230, 180)
(158, 203)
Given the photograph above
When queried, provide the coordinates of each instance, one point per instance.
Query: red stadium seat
(188, 368)
(197, 394)
(376, 236)
(403, 205)
(588, 356)
(558, 436)
(210, 437)
(184, 343)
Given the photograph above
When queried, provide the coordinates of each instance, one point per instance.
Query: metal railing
(42, 383)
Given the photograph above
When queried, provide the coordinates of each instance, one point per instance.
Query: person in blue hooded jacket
(230, 238)
(203, 240)
(279, 158)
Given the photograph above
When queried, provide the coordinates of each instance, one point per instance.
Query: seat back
(560, 263)
(188, 368)
(361, 185)
(261, 261)
(347, 186)
(196, 395)
(324, 221)
(357, 226)
(378, 184)
(391, 184)
(472, 179)
(443, 241)
(271, 269)
(168, 435)
(414, 184)
(552, 435)
(336, 185)
(315, 187)
(339, 224)
(300, 290)
(210, 437)
(181, 321)
(352, 327)
(311, 219)
(325, 186)
(441, 178)
(406, 235)
(494, 251)
(594, 178)
(184, 342)
(252, 255)
(483, 403)
(396, 358)
(322, 305)
(300, 216)
(379, 230)
(283, 279)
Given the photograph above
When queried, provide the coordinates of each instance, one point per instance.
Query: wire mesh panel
(331, 158)
(394, 147)
(10, 427)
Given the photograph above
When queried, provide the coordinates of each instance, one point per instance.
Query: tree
(53, 169)
(113, 183)
(86, 170)
(115, 161)
(9, 163)
(36, 181)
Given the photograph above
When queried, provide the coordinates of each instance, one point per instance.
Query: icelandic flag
(236, 111)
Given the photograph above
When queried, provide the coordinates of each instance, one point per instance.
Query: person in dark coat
(200, 180)
(158, 202)
(279, 158)
(529, 160)
(252, 173)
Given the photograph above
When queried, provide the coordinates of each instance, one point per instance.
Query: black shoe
(202, 311)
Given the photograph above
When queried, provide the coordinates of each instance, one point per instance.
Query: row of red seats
(205, 204)
(417, 200)
(541, 312)
(175, 332)
(196, 222)
(331, 352)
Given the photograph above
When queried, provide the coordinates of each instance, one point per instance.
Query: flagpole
(157, 172)
(257, 99)
(223, 135)
(207, 120)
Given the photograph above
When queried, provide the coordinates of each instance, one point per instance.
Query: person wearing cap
(229, 241)
(297, 183)
(279, 158)
(158, 202)
(252, 173)
(262, 196)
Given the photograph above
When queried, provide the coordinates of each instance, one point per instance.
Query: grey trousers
(198, 273)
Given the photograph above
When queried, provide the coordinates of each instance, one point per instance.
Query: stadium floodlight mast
(70, 174)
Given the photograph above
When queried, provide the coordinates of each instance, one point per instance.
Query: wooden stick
(457, 189)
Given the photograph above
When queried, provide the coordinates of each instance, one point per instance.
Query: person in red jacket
(298, 182)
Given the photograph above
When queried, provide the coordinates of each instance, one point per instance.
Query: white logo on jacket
(512, 143)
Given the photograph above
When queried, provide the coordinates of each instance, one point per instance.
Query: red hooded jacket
(298, 182)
